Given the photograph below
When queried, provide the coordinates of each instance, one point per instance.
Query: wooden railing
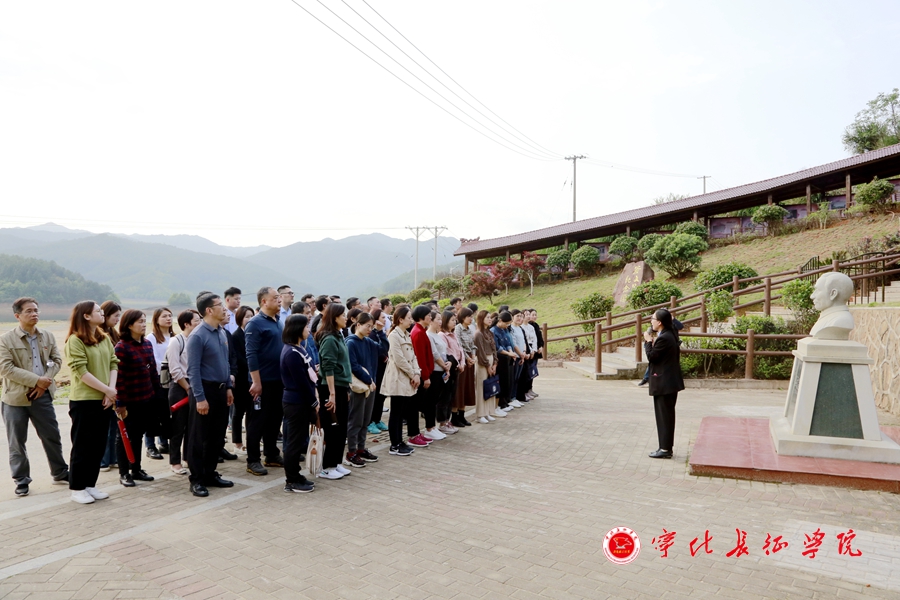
(875, 269)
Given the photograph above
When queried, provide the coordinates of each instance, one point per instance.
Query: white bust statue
(830, 296)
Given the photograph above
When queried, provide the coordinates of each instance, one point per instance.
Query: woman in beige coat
(401, 380)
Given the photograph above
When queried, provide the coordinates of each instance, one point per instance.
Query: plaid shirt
(137, 379)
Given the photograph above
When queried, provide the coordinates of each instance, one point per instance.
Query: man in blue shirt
(209, 374)
(263, 344)
(505, 356)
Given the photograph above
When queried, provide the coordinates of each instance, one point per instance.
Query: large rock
(633, 275)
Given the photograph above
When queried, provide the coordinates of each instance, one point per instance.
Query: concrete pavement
(516, 509)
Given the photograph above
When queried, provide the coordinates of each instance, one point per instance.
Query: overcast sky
(252, 123)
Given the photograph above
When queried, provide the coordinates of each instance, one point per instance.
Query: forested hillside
(46, 281)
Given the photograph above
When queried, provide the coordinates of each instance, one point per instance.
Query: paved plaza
(516, 509)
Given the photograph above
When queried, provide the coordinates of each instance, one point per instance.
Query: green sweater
(334, 359)
(98, 360)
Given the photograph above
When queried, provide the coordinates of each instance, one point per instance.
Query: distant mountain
(152, 267)
(195, 243)
(352, 266)
(153, 271)
(406, 282)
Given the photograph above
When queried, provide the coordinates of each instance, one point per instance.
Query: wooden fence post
(703, 317)
(767, 305)
(751, 354)
(638, 338)
(546, 344)
(598, 347)
(835, 265)
(735, 286)
(672, 301)
(609, 333)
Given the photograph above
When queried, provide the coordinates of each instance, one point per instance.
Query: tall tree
(876, 126)
(529, 264)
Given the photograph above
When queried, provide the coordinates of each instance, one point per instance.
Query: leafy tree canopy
(876, 126)
(47, 282)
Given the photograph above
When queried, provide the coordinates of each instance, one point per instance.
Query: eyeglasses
(287, 293)
(219, 305)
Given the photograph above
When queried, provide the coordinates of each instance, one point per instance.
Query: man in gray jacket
(29, 359)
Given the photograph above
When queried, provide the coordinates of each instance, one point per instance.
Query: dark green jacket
(334, 359)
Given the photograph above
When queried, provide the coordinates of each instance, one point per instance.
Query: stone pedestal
(830, 408)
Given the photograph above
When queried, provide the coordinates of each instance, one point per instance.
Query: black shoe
(643, 382)
(300, 488)
(455, 420)
(62, 479)
(462, 419)
(126, 480)
(278, 462)
(163, 449)
(220, 460)
(402, 450)
(661, 454)
(256, 469)
(302, 459)
(217, 481)
(154, 453)
(141, 476)
(227, 455)
(22, 489)
(366, 455)
(199, 490)
(356, 460)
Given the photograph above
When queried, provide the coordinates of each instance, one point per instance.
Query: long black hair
(665, 319)
(328, 324)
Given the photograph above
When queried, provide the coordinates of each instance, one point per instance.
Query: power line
(406, 83)
(612, 165)
(521, 136)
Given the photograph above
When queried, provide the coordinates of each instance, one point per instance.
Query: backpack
(165, 377)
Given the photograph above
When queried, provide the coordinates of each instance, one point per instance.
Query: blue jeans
(109, 456)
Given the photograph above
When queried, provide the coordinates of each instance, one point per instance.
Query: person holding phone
(666, 381)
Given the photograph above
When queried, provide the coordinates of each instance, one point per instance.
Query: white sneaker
(508, 408)
(82, 497)
(97, 494)
(104, 469)
(516, 403)
(342, 470)
(499, 413)
(483, 420)
(329, 474)
(447, 429)
(434, 434)
(490, 418)
(240, 451)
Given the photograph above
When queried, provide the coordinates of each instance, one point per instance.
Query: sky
(253, 123)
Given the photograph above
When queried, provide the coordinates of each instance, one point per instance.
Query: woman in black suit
(664, 357)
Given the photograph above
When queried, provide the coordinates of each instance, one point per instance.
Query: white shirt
(232, 325)
(176, 357)
(159, 350)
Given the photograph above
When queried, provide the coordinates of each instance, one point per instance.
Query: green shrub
(723, 274)
(770, 214)
(593, 306)
(585, 259)
(398, 299)
(677, 254)
(543, 278)
(874, 193)
(444, 303)
(426, 284)
(719, 306)
(559, 260)
(693, 228)
(769, 367)
(691, 364)
(648, 241)
(447, 286)
(419, 294)
(623, 246)
(795, 295)
(824, 215)
(652, 292)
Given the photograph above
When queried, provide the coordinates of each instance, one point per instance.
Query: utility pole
(704, 178)
(418, 232)
(437, 232)
(574, 159)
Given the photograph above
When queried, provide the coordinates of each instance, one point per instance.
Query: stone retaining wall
(879, 329)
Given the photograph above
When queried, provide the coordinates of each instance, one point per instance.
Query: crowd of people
(262, 375)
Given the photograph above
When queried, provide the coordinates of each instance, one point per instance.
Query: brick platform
(742, 448)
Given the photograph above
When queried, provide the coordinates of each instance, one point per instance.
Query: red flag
(126, 441)
(180, 404)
